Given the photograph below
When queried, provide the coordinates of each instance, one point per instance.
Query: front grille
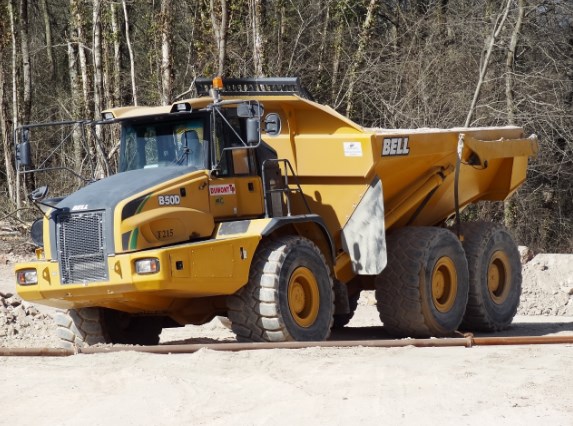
(81, 247)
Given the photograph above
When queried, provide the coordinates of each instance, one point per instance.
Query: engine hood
(108, 192)
(104, 195)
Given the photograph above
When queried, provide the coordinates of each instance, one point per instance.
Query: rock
(526, 254)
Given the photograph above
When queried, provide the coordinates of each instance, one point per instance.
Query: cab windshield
(163, 144)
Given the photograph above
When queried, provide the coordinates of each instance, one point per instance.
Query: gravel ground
(517, 385)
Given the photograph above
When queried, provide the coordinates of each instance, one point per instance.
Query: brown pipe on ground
(233, 347)
(35, 352)
(522, 340)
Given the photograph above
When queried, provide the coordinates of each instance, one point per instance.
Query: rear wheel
(495, 276)
(341, 320)
(289, 295)
(90, 326)
(424, 289)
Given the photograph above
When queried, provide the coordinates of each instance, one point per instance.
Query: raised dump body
(280, 228)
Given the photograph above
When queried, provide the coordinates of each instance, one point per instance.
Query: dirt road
(518, 385)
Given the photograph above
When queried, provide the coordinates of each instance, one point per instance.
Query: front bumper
(209, 268)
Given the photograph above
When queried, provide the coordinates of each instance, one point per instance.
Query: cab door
(237, 191)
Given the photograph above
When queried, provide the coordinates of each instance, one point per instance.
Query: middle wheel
(289, 295)
(424, 289)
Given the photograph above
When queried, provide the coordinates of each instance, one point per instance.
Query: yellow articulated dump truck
(253, 202)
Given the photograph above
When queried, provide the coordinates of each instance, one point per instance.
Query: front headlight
(27, 277)
(147, 266)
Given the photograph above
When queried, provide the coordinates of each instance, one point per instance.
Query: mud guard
(364, 235)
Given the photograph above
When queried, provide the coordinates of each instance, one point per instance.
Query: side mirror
(253, 131)
(38, 194)
(37, 232)
(272, 124)
(23, 152)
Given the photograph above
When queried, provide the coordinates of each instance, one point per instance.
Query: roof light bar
(269, 86)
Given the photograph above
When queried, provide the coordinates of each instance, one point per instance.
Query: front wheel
(90, 326)
(289, 295)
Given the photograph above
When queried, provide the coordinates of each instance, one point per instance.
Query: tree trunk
(48, 35)
(97, 59)
(445, 30)
(166, 69)
(257, 9)
(323, 44)
(116, 68)
(6, 133)
(337, 48)
(509, 63)
(79, 39)
(508, 205)
(15, 115)
(26, 66)
(483, 70)
(76, 101)
(102, 168)
(365, 35)
(281, 20)
(219, 22)
(131, 56)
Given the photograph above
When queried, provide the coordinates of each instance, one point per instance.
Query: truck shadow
(533, 329)
(519, 328)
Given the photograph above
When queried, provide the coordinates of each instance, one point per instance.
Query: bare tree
(48, 34)
(131, 54)
(257, 17)
(365, 34)
(78, 38)
(500, 21)
(166, 61)
(26, 66)
(219, 19)
(116, 63)
(509, 63)
(15, 116)
(76, 100)
(102, 168)
(5, 130)
(337, 51)
(97, 58)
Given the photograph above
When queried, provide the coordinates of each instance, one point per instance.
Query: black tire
(289, 295)
(424, 289)
(341, 320)
(90, 326)
(495, 276)
(80, 328)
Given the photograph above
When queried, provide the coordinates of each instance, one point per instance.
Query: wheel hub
(444, 284)
(499, 277)
(303, 297)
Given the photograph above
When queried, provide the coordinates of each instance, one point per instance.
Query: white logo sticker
(396, 146)
(228, 189)
(79, 207)
(352, 149)
(169, 200)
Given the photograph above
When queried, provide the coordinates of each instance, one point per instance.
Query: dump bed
(337, 160)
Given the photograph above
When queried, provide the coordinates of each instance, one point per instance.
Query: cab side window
(238, 160)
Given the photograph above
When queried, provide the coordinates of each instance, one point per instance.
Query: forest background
(391, 64)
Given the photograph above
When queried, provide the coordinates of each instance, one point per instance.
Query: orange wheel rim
(499, 277)
(444, 284)
(303, 297)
